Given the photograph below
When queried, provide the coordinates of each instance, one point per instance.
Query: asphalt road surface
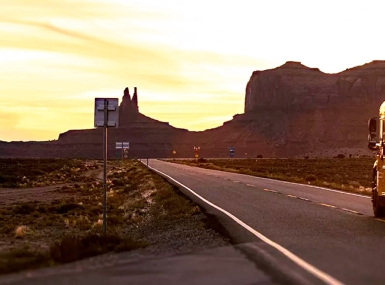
(290, 229)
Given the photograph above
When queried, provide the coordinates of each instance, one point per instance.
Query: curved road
(333, 234)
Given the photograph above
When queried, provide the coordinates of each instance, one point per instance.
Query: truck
(376, 142)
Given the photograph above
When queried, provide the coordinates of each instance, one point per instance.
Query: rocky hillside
(294, 87)
(305, 111)
(290, 111)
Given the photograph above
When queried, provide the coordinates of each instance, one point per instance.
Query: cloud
(78, 9)
(8, 120)
(64, 50)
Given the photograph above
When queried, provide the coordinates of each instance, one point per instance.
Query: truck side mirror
(373, 133)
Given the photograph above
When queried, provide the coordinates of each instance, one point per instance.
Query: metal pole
(147, 163)
(105, 167)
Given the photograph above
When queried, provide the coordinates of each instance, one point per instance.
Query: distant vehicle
(376, 142)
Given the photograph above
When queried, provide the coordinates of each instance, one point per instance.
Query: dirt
(179, 228)
(10, 197)
(42, 194)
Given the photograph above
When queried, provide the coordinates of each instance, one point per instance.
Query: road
(310, 231)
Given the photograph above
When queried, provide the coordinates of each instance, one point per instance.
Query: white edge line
(300, 262)
(288, 182)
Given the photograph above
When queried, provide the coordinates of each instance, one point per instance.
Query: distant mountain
(291, 110)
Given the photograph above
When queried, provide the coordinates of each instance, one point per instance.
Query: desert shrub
(311, 178)
(202, 160)
(65, 208)
(95, 209)
(172, 200)
(24, 209)
(118, 182)
(42, 209)
(340, 156)
(130, 187)
(13, 170)
(71, 248)
(259, 156)
(354, 184)
(115, 220)
(7, 228)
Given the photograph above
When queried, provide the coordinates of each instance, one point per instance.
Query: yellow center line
(348, 210)
(327, 205)
(303, 199)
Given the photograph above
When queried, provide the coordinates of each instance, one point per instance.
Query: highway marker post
(232, 151)
(196, 152)
(106, 115)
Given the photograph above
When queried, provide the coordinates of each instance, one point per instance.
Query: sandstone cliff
(319, 112)
(291, 110)
(295, 87)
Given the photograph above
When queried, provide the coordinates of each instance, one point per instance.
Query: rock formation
(303, 110)
(128, 109)
(295, 87)
(291, 110)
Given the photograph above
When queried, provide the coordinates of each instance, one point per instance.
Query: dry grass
(27, 173)
(21, 231)
(170, 202)
(74, 220)
(348, 174)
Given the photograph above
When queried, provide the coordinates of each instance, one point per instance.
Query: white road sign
(124, 145)
(112, 112)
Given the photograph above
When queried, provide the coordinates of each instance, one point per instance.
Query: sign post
(106, 115)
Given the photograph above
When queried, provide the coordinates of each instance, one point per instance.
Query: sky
(190, 60)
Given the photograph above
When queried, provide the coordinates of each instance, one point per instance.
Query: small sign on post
(124, 146)
(106, 115)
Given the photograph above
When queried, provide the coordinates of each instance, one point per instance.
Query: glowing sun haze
(190, 60)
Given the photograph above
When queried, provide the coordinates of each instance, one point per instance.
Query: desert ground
(51, 213)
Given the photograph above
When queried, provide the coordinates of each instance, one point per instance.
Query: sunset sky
(190, 60)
